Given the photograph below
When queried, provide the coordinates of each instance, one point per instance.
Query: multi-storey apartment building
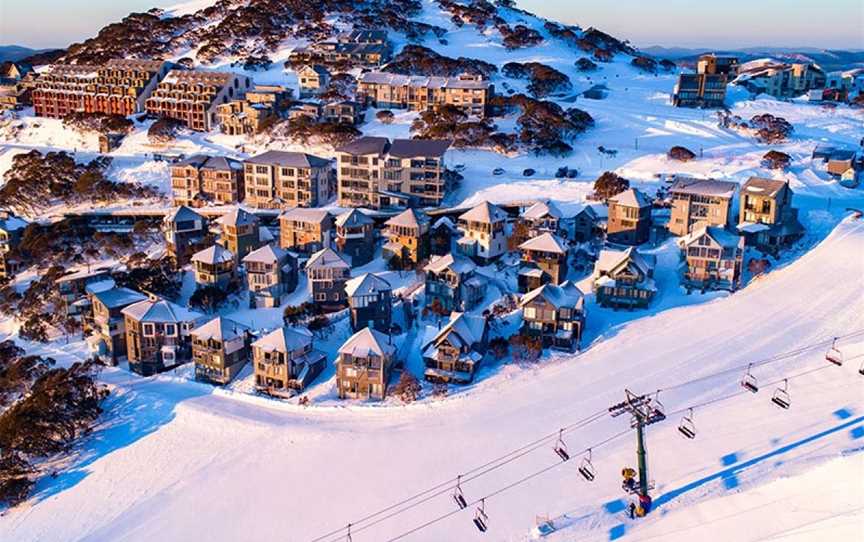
(192, 96)
(344, 112)
(107, 325)
(766, 216)
(407, 236)
(278, 180)
(239, 232)
(468, 92)
(556, 314)
(455, 353)
(713, 63)
(699, 201)
(241, 117)
(158, 335)
(453, 284)
(119, 87)
(544, 261)
(213, 266)
(355, 237)
(286, 361)
(706, 87)
(779, 79)
(624, 279)
(370, 299)
(202, 179)
(629, 220)
(364, 364)
(305, 230)
(271, 272)
(484, 232)
(714, 258)
(186, 232)
(364, 48)
(327, 273)
(374, 173)
(220, 349)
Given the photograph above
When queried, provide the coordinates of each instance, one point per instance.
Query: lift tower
(644, 410)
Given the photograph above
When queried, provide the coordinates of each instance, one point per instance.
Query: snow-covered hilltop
(378, 270)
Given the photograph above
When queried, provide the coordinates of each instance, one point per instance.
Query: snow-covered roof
(484, 212)
(609, 260)
(468, 329)
(289, 159)
(237, 217)
(422, 81)
(762, 186)
(118, 297)
(703, 187)
(204, 161)
(567, 294)
(160, 311)
(306, 214)
(446, 222)
(632, 197)
(721, 236)
(545, 242)
(366, 284)
(352, 218)
(266, 254)
(12, 223)
(542, 209)
(219, 329)
(366, 145)
(326, 258)
(367, 341)
(753, 227)
(410, 148)
(458, 264)
(182, 214)
(284, 339)
(410, 218)
(213, 255)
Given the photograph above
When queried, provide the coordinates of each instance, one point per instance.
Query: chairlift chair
(586, 468)
(749, 382)
(861, 369)
(458, 496)
(481, 520)
(834, 355)
(781, 396)
(687, 427)
(561, 447)
(658, 410)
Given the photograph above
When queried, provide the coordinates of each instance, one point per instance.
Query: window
(530, 312)
(148, 330)
(170, 330)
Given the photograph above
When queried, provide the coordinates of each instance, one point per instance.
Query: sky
(731, 24)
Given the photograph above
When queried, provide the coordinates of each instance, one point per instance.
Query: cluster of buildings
(467, 92)
(364, 48)
(16, 85)
(844, 165)
(780, 79)
(707, 87)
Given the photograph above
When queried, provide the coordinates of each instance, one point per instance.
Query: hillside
(175, 459)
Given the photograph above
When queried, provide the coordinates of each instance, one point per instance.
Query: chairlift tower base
(644, 411)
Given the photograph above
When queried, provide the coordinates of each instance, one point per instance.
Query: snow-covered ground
(179, 460)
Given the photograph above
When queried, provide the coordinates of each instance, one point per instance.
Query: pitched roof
(457, 264)
(205, 161)
(284, 339)
(484, 212)
(238, 217)
(609, 260)
(468, 329)
(266, 254)
(631, 197)
(213, 255)
(721, 236)
(220, 329)
(366, 145)
(763, 187)
(366, 284)
(409, 148)
(354, 217)
(160, 311)
(367, 341)
(703, 187)
(545, 243)
(289, 159)
(182, 214)
(567, 294)
(118, 297)
(306, 214)
(408, 217)
(422, 81)
(12, 223)
(542, 209)
(326, 258)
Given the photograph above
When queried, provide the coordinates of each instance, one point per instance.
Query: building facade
(271, 272)
(407, 237)
(214, 267)
(286, 361)
(456, 352)
(714, 259)
(192, 96)
(355, 237)
(327, 273)
(629, 220)
(220, 349)
(364, 364)
(186, 232)
(280, 180)
(624, 279)
(201, 179)
(158, 335)
(544, 261)
(556, 314)
(107, 324)
(305, 230)
(467, 92)
(370, 299)
(484, 232)
(697, 202)
(453, 284)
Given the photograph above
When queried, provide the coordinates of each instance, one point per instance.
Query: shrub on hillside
(408, 388)
(543, 80)
(771, 129)
(681, 154)
(609, 184)
(585, 65)
(776, 160)
(385, 116)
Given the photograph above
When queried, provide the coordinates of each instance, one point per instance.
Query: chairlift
(561, 447)
(781, 396)
(481, 520)
(861, 369)
(687, 427)
(458, 496)
(348, 534)
(834, 355)
(749, 382)
(586, 468)
(658, 410)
